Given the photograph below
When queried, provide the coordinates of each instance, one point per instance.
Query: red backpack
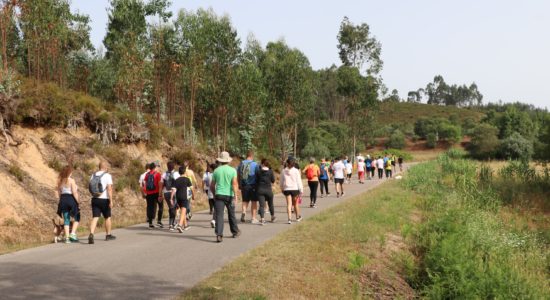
(310, 173)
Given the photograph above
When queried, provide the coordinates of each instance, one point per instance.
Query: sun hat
(224, 157)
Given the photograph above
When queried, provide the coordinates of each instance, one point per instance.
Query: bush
(55, 164)
(17, 172)
(450, 133)
(180, 157)
(431, 140)
(484, 143)
(397, 152)
(396, 140)
(114, 155)
(516, 147)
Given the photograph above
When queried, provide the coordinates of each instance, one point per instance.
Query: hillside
(404, 113)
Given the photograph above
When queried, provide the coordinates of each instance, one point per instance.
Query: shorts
(67, 203)
(182, 203)
(339, 180)
(249, 193)
(293, 193)
(101, 207)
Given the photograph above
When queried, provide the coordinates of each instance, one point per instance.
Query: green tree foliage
(396, 140)
(484, 141)
(440, 93)
(516, 147)
(358, 47)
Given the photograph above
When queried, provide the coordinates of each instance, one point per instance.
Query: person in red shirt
(152, 187)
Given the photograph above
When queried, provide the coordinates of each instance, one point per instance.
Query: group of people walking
(177, 187)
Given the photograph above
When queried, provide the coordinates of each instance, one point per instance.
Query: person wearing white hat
(224, 186)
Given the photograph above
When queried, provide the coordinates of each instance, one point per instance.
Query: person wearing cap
(224, 186)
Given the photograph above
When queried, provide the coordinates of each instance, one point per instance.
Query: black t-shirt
(264, 179)
(181, 185)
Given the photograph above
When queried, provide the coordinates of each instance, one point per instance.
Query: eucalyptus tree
(358, 47)
(289, 84)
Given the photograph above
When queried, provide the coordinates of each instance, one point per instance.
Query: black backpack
(95, 187)
(150, 182)
(169, 181)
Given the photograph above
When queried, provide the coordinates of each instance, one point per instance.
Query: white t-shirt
(380, 163)
(338, 170)
(206, 180)
(142, 179)
(349, 168)
(163, 178)
(361, 166)
(106, 180)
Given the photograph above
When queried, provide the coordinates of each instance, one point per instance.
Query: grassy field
(354, 250)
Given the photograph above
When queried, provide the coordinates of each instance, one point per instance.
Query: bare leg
(183, 218)
(66, 228)
(93, 225)
(75, 227)
(289, 206)
(296, 206)
(254, 209)
(108, 226)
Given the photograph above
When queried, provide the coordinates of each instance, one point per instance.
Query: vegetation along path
(142, 263)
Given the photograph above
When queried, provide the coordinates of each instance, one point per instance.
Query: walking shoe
(160, 225)
(189, 216)
(273, 219)
(213, 223)
(73, 237)
(151, 226)
(322, 196)
(110, 237)
(262, 221)
(236, 235)
(343, 194)
(219, 239)
(186, 228)
(179, 228)
(299, 219)
(67, 240)
(289, 221)
(328, 194)
(337, 195)
(91, 239)
(243, 217)
(254, 222)
(172, 228)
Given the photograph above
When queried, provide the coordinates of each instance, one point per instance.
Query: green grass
(331, 255)
(467, 250)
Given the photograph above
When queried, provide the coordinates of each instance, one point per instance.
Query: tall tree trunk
(296, 139)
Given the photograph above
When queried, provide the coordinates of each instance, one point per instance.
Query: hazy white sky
(502, 45)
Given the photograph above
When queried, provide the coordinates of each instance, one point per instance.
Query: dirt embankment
(29, 176)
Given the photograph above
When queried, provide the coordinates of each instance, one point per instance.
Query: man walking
(101, 188)
(224, 186)
(247, 183)
(339, 170)
(153, 187)
(168, 182)
(380, 167)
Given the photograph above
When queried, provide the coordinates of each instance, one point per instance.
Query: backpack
(323, 171)
(169, 181)
(245, 172)
(310, 173)
(150, 184)
(95, 187)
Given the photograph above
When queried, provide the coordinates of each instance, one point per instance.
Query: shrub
(180, 157)
(17, 172)
(114, 155)
(484, 143)
(396, 140)
(450, 133)
(431, 140)
(516, 147)
(55, 164)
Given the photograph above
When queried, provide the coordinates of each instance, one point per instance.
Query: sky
(501, 45)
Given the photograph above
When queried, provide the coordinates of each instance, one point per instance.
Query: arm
(110, 194)
(235, 187)
(300, 184)
(161, 187)
(192, 193)
(213, 186)
(282, 181)
(74, 190)
(172, 193)
(272, 177)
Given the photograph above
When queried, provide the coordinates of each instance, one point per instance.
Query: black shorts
(182, 203)
(339, 180)
(67, 203)
(249, 194)
(101, 207)
(291, 193)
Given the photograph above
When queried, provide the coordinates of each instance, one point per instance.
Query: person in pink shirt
(292, 187)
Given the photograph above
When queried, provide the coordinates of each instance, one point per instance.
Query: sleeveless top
(66, 190)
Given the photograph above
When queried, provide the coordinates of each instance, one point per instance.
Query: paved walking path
(142, 263)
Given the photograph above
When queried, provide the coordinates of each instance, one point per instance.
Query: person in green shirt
(224, 186)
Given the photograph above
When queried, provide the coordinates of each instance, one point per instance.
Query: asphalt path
(143, 263)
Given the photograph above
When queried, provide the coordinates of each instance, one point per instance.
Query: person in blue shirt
(370, 168)
(246, 173)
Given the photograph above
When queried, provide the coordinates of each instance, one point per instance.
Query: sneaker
(314, 205)
(337, 195)
(219, 239)
(273, 219)
(172, 228)
(151, 226)
(189, 216)
(255, 222)
(213, 223)
(67, 240)
(243, 217)
(91, 239)
(110, 237)
(236, 235)
(322, 196)
(160, 225)
(289, 221)
(299, 219)
(343, 194)
(179, 228)
(328, 194)
(186, 227)
(262, 221)
(73, 237)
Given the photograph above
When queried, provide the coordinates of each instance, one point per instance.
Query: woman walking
(312, 172)
(361, 170)
(67, 191)
(264, 191)
(325, 176)
(292, 187)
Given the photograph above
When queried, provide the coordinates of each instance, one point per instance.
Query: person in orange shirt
(312, 172)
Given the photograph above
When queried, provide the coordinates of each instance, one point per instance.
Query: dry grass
(349, 251)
